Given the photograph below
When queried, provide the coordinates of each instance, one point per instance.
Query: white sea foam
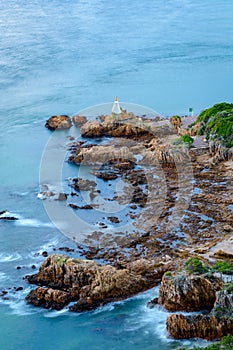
(53, 313)
(9, 257)
(33, 223)
(3, 276)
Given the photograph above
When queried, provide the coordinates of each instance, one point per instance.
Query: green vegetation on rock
(194, 265)
(184, 139)
(223, 267)
(216, 123)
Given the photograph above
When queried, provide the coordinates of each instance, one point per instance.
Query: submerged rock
(58, 122)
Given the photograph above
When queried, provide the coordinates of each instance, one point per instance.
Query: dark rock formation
(80, 184)
(79, 120)
(58, 122)
(114, 219)
(188, 293)
(106, 175)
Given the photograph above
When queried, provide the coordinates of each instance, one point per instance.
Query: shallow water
(59, 57)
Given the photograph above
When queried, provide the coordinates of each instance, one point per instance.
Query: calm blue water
(59, 57)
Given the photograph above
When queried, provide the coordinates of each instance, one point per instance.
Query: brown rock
(114, 129)
(188, 293)
(207, 327)
(81, 280)
(101, 155)
(79, 120)
(227, 228)
(58, 122)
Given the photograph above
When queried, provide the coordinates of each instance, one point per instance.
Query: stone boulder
(58, 122)
(189, 292)
(79, 120)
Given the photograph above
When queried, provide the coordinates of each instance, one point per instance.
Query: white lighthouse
(116, 107)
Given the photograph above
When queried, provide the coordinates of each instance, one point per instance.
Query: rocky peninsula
(180, 199)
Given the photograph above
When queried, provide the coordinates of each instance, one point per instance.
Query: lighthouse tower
(116, 107)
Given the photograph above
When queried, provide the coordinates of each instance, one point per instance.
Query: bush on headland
(184, 139)
(216, 123)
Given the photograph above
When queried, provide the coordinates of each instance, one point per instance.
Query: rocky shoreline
(180, 201)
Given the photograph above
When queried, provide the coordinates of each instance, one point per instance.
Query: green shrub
(217, 123)
(223, 267)
(212, 111)
(194, 265)
(184, 139)
(168, 273)
(176, 117)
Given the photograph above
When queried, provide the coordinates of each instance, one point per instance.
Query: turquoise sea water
(58, 57)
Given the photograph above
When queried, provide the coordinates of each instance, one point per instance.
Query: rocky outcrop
(193, 293)
(164, 153)
(188, 293)
(176, 121)
(207, 327)
(62, 280)
(80, 184)
(220, 152)
(101, 154)
(114, 129)
(215, 325)
(58, 122)
(79, 120)
(5, 215)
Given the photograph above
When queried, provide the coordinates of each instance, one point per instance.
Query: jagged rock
(86, 206)
(61, 196)
(188, 293)
(48, 298)
(176, 121)
(223, 304)
(79, 120)
(8, 218)
(106, 175)
(114, 219)
(62, 279)
(207, 327)
(58, 122)
(5, 215)
(80, 184)
(223, 254)
(102, 154)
